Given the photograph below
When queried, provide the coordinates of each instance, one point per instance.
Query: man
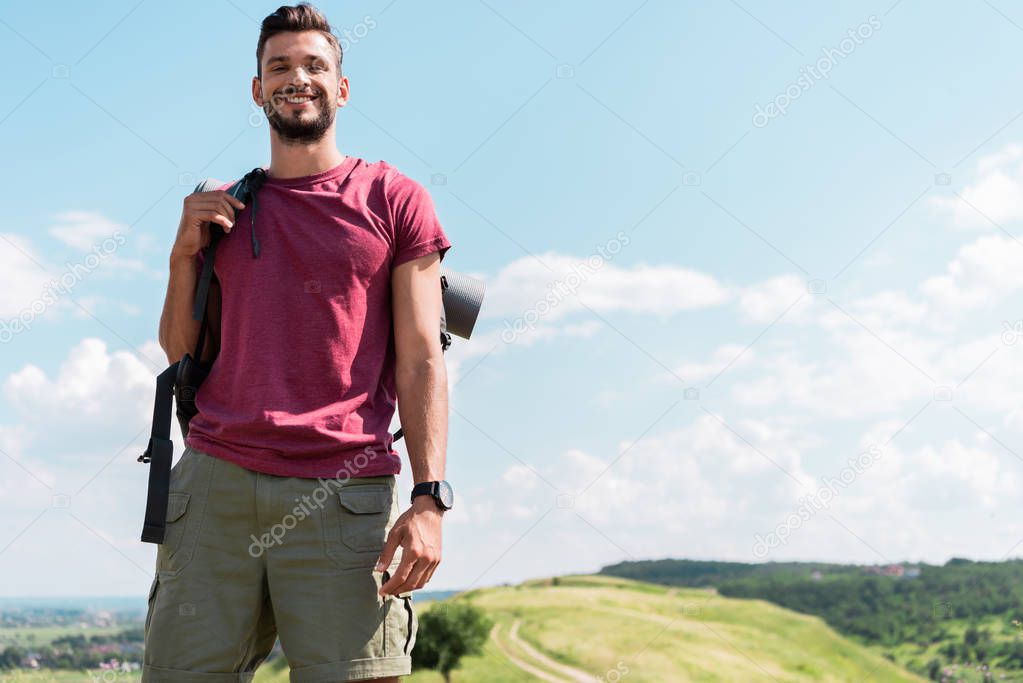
(283, 517)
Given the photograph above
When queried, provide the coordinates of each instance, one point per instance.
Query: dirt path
(525, 666)
(571, 673)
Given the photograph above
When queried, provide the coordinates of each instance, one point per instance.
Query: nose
(300, 77)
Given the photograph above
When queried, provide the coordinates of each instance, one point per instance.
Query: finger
(429, 573)
(416, 577)
(400, 574)
(219, 196)
(227, 209)
(411, 583)
(217, 200)
(399, 577)
(205, 210)
(234, 201)
(422, 578)
(218, 203)
(221, 219)
(214, 217)
(390, 546)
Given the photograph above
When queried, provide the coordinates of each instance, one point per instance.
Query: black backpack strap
(199, 309)
(160, 450)
(158, 454)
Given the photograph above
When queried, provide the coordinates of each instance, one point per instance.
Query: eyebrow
(285, 58)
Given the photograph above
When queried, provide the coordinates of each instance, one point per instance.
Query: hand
(418, 532)
(201, 208)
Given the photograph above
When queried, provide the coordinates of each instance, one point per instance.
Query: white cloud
(525, 288)
(765, 301)
(83, 230)
(99, 239)
(92, 386)
(537, 297)
(702, 491)
(882, 311)
(520, 477)
(22, 280)
(854, 373)
(863, 378)
(730, 356)
(31, 286)
(885, 352)
(996, 196)
(982, 273)
(682, 479)
(953, 465)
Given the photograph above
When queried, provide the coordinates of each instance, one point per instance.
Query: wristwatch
(441, 492)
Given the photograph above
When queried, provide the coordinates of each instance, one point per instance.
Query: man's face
(300, 90)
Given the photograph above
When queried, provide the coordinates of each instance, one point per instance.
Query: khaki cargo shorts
(250, 556)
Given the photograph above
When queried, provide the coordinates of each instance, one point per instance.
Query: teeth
(296, 100)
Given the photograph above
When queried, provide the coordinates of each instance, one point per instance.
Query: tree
(447, 632)
(11, 657)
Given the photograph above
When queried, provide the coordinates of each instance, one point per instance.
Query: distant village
(99, 639)
(14, 617)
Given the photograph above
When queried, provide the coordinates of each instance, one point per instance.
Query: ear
(257, 91)
(342, 91)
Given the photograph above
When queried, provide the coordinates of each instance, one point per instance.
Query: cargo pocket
(177, 505)
(356, 522)
(172, 554)
(152, 602)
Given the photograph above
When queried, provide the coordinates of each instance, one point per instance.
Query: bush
(447, 632)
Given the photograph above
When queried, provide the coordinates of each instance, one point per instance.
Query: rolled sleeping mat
(208, 185)
(211, 184)
(462, 296)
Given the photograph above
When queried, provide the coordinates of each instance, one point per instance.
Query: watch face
(446, 495)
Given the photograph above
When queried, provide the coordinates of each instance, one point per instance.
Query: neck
(290, 160)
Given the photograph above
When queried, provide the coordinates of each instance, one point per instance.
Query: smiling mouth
(299, 99)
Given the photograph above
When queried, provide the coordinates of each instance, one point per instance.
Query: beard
(298, 126)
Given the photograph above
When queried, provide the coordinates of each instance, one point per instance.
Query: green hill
(962, 619)
(589, 628)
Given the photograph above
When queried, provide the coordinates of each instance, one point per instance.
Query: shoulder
(381, 169)
(396, 186)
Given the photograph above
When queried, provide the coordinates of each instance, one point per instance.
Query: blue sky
(773, 338)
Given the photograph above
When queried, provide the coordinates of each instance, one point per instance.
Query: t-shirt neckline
(331, 173)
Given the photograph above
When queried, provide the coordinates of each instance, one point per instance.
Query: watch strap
(425, 488)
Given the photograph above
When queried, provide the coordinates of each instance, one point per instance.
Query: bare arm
(420, 374)
(179, 333)
(422, 386)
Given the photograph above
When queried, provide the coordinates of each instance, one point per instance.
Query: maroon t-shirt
(304, 381)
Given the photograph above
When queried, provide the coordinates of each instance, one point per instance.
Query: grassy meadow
(614, 629)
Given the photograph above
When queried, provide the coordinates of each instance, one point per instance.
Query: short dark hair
(300, 17)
